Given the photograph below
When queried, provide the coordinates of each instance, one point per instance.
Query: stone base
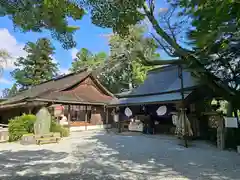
(28, 139)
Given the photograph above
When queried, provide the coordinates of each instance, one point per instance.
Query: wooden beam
(68, 102)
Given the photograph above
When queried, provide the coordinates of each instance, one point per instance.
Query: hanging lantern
(128, 112)
(162, 110)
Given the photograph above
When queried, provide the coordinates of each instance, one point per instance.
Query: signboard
(135, 126)
(231, 122)
(116, 117)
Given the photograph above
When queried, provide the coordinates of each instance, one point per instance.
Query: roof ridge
(163, 67)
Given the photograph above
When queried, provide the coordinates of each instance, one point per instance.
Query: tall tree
(8, 92)
(212, 20)
(4, 55)
(122, 69)
(85, 59)
(28, 15)
(123, 52)
(215, 37)
(118, 15)
(37, 66)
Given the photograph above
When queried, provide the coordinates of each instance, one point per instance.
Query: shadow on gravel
(115, 157)
(162, 158)
(26, 165)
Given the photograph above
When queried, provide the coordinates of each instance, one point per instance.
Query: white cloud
(5, 81)
(74, 52)
(54, 60)
(162, 10)
(64, 71)
(10, 44)
(107, 35)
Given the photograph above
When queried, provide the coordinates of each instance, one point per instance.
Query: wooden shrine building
(163, 87)
(79, 96)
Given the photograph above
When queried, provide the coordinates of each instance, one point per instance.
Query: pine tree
(37, 66)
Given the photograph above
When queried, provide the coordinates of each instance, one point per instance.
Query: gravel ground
(99, 155)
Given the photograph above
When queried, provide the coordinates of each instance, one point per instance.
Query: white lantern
(162, 110)
(128, 112)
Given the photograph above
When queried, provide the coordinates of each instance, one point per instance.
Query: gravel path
(98, 155)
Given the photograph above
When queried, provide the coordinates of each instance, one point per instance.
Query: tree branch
(162, 46)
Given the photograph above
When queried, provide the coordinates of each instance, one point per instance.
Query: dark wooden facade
(83, 97)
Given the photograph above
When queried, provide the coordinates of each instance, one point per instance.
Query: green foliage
(124, 49)
(36, 16)
(55, 127)
(123, 67)
(37, 66)
(212, 20)
(220, 21)
(117, 15)
(9, 92)
(85, 59)
(215, 37)
(21, 125)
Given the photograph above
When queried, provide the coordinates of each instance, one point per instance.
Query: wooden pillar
(69, 115)
(86, 117)
(29, 110)
(106, 118)
(220, 132)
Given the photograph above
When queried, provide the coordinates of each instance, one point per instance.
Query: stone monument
(43, 122)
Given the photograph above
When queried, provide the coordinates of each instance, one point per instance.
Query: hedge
(21, 125)
(24, 124)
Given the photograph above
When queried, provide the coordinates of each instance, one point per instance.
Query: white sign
(161, 110)
(135, 126)
(231, 122)
(128, 112)
(116, 117)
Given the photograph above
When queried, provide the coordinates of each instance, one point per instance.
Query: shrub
(28, 121)
(21, 125)
(55, 127)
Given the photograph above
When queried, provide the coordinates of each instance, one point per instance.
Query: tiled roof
(163, 80)
(150, 99)
(84, 93)
(53, 90)
(161, 85)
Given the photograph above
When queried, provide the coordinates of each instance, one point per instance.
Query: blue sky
(89, 36)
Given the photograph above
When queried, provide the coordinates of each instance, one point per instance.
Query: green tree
(122, 69)
(85, 59)
(36, 16)
(212, 20)
(118, 15)
(8, 92)
(215, 38)
(37, 66)
(129, 71)
(4, 55)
